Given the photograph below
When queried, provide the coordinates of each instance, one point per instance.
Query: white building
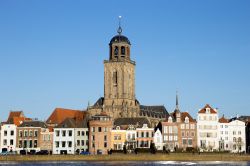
(232, 135)
(237, 136)
(131, 137)
(207, 129)
(158, 140)
(224, 134)
(70, 137)
(145, 136)
(8, 137)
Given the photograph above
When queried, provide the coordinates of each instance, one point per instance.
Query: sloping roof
(186, 114)
(73, 123)
(223, 120)
(244, 118)
(138, 122)
(34, 124)
(203, 110)
(60, 114)
(153, 111)
(17, 118)
(99, 103)
(15, 114)
(159, 126)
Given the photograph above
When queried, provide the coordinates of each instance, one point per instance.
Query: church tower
(119, 78)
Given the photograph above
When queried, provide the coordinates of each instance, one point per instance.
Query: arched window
(115, 78)
(116, 50)
(123, 50)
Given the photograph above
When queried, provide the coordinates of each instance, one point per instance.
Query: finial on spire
(119, 30)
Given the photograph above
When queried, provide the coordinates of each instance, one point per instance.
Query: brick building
(100, 127)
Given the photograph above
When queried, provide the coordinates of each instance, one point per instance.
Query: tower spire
(119, 30)
(177, 102)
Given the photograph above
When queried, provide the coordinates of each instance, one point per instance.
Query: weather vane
(119, 30)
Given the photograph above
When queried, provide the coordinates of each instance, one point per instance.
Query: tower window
(115, 78)
(123, 50)
(116, 50)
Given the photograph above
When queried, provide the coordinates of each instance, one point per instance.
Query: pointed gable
(207, 107)
(186, 114)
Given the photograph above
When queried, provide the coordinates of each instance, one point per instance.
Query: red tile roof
(60, 114)
(223, 120)
(17, 118)
(186, 114)
(15, 114)
(203, 110)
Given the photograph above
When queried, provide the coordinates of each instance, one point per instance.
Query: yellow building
(118, 138)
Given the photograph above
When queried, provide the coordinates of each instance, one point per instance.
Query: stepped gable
(60, 114)
(154, 111)
(34, 124)
(137, 122)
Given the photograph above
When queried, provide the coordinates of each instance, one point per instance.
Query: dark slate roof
(119, 38)
(154, 111)
(99, 103)
(34, 124)
(159, 126)
(73, 123)
(245, 119)
(138, 121)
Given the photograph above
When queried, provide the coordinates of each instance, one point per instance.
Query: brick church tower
(119, 79)
(119, 99)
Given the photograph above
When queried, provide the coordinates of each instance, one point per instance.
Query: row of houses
(73, 131)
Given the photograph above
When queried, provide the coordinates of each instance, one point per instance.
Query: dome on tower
(119, 38)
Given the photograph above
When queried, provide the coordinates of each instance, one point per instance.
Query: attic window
(117, 127)
(170, 119)
(186, 119)
(208, 110)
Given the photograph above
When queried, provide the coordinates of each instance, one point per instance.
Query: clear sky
(52, 52)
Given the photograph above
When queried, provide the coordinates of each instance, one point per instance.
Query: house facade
(170, 134)
(8, 137)
(64, 140)
(118, 138)
(237, 138)
(145, 136)
(224, 134)
(29, 136)
(100, 133)
(207, 129)
(71, 137)
(158, 139)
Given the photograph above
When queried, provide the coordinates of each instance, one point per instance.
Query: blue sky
(52, 52)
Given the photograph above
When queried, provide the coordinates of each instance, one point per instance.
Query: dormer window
(186, 119)
(208, 110)
(118, 128)
(170, 120)
(145, 126)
